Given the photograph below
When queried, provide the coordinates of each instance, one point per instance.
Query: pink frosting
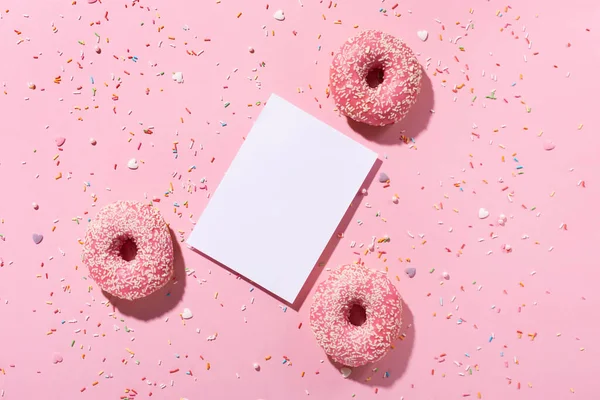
(344, 342)
(152, 266)
(390, 101)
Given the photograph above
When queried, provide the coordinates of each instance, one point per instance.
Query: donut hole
(128, 249)
(375, 76)
(357, 315)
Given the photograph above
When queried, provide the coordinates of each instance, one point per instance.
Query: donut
(347, 288)
(139, 228)
(375, 78)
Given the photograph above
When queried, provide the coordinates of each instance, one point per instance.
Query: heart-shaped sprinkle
(60, 141)
(345, 371)
(187, 313)
(177, 77)
(132, 164)
(423, 35)
(57, 358)
(411, 272)
(279, 16)
(483, 213)
(383, 177)
(37, 238)
(549, 146)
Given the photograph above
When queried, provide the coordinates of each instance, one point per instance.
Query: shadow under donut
(394, 363)
(327, 252)
(413, 124)
(161, 301)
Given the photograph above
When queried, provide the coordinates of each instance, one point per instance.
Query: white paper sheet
(282, 198)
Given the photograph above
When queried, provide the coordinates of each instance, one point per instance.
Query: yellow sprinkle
(129, 351)
(580, 127)
(57, 177)
(552, 194)
(456, 210)
(100, 373)
(216, 295)
(55, 157)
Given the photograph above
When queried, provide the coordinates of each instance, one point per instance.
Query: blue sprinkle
(467, 355)
(501, 354)
(223, 123)
(92, 79)
(284, 361)
(490, 340)
(251, 289)
(176, 204)
(461, 189)
(514, 84)
(284, 309)
(387, 374)
(187, 373)
(62, 322)
(519, 167)
(319, 48)
(515, 158)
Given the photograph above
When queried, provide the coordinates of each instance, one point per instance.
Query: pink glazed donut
(375, 100)
(129, 223)
(348, 287)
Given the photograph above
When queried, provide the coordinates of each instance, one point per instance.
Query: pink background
(495, 295)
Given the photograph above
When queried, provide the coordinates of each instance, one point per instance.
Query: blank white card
(282, 198)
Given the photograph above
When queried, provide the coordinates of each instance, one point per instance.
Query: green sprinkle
(72, 343)
(81, 42)
(533, 208)
(227, 104)
(431, 270)
(474, 282)
(96, 34)
(473, 99)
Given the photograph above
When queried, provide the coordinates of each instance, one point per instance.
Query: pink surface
(47, 301)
